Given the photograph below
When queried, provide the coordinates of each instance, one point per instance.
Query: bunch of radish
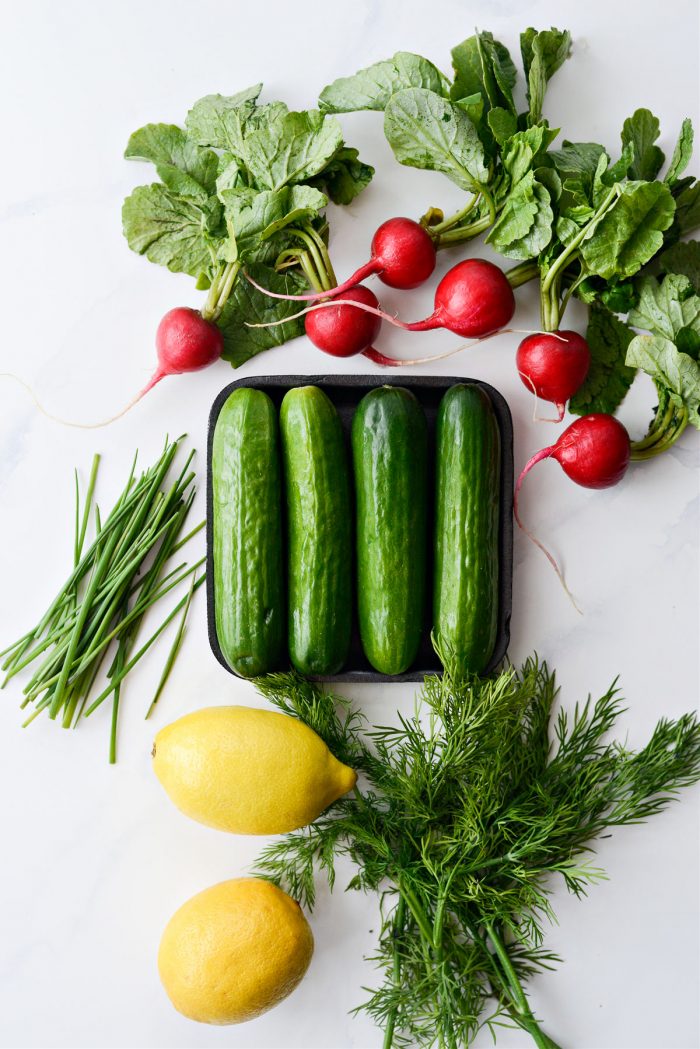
(474, 299)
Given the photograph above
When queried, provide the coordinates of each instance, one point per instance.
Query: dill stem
(397, 929)
(417, 911)
(523, 1013)
(438, 927)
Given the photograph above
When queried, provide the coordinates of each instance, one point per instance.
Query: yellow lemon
(248, 771)
(233, 951)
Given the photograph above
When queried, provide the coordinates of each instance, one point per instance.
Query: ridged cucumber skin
(319, 531)
(466, 580)
(390, 460)
(247, 534)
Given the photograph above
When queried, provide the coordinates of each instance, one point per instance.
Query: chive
(141, 652)
(80, 536)
(186, 539)
(134, 616)
(172, 655)
(76, 554)
(117, 576)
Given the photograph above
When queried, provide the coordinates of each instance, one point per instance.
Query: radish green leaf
(682, 153)
(218, 120)
(371, 88)
(641, 131)
(247, 304)
(631, 232)
(426, 131)
(683, 258)
(294, 148)
(675, 372)
(609, 377)
(667, 307)
(168, 229)
(543, 53)
(171, 150)
(524, 226)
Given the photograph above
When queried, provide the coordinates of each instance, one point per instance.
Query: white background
(95, 858)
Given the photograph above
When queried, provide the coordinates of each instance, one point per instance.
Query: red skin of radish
(553, 366)
(594, 451)
(185, 342)
(403, 254)
(473, 299)
(343, 331)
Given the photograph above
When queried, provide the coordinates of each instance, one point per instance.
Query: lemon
(248, 771)
(233, 951)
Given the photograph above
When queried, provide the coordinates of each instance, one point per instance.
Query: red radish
(344, 331)
(403, 255)
(185, 342)
(553, 365)
(594, 452)
(474, 299)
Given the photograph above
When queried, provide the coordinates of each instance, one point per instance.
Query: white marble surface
(94, 858)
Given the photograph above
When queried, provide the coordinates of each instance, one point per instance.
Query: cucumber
(390, 457)
(247, 534)
(465, 599)
(317, 487)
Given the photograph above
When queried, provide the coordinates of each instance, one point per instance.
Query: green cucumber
(319, 525)
(247, 534)
(390, 456)
(465, 599)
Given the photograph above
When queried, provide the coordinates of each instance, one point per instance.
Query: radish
(402, 255)
(474, 299)
(185, 342)
(553, 365)
(344, 331)
(594, 452)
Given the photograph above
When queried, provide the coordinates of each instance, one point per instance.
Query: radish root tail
(541, 418)
(545, 453)
(326, 305)
(83, 426)
(396, 362)
(359, 275)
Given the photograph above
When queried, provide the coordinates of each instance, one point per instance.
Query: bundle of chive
(99, 609)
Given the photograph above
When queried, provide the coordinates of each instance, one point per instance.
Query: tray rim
(505, 423)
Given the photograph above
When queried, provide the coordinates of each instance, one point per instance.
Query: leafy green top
(241, 183)
(471, 131)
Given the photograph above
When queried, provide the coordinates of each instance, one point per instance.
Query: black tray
(346, 391)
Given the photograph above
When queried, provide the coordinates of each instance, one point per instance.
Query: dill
(465, 811)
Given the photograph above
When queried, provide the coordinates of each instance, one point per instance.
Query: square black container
(346, 391)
